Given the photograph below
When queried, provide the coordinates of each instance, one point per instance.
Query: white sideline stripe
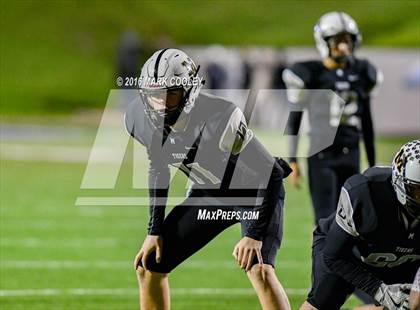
(144, 201)
(13, 224)
(38, 242)
(132, 291)
(57, 153)
(72, 264)
(94, 242)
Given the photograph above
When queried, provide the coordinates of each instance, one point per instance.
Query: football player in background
(207, 138)
(352, 79)
(373, 241)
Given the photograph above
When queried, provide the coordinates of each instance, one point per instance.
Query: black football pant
(327, 172)
(184, 234)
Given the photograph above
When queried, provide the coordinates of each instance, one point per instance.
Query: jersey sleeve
(355, 212)
(236, 135)
(355, 217)
(296, 78)
(132, 122)
(368, 132)
(158, 174)
(344, 216)
(253, 156)
(248, 152)
(272, 193)
(339, 258)
(159, 179)
(374, 77)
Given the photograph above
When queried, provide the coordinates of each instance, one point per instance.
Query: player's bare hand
(295, 176)
(245, 251)
(150, 244)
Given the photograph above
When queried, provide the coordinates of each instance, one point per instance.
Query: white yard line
(132, 291)
(208, 202)
(32, 242)
(74, 242)
(57, 153)
(74, 264)
(73, 224)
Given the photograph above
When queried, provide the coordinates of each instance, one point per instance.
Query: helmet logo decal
(399, 161)
(191, 68)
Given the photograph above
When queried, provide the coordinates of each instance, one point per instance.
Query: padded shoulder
(355, 212)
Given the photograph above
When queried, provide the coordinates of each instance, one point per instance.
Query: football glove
(394, 297)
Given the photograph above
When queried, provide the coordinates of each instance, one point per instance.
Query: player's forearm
(353, 273)
(157, 215)
(368, 135)
(272, 194)
(339, 259)
(259, 160)
(293, 131)
(157, 202)
(370, 150)
(158, 192)
(293, 147)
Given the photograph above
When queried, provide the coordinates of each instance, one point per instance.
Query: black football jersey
(370, 211)
(215, 129)
(214, 148)
(353, 85)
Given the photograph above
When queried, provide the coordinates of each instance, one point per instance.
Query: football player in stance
(352, 79)
(415, 293)
(373, 241)
(207, 138)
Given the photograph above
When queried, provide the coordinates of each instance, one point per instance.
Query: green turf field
(60, 56)
(55, 255)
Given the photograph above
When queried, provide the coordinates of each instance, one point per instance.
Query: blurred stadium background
(58, 63)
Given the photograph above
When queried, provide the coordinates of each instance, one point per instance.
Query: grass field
(60, 56)
(55, 255)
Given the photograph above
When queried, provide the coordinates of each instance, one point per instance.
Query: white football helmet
(332, 24)
(165, 71)
(406, 176)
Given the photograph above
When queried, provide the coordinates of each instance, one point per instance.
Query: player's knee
(307, 306)
(261, 273)
(143, 274)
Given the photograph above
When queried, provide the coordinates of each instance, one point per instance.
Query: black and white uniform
(222, 158)
(368, 241)
(328, 169)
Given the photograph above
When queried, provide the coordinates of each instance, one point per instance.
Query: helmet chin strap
(340, 61)
(409, 220)
(347, 59)
(172, 118)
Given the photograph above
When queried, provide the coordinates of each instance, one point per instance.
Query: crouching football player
(207, 138)
(373, 241)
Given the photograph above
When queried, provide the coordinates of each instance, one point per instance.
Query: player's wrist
(253, 235)
(154, 232)
(293, 160)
